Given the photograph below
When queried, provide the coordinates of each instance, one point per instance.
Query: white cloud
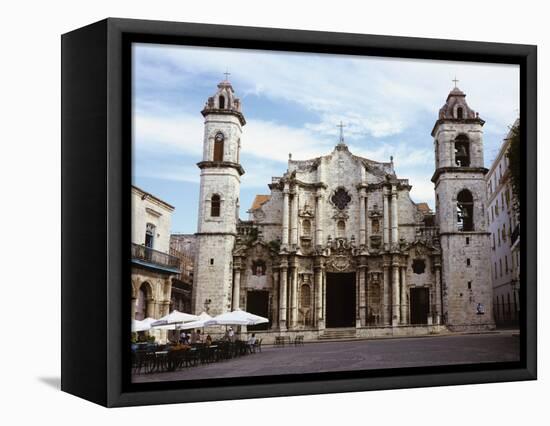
(171, 133)
(375, 96)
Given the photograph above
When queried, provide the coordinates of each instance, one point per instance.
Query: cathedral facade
(338, 248)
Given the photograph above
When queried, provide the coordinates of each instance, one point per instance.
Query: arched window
(306, 296)
(218, 147)
(459, 113)
(465, 211)
(306, 228)
(462, 151)
(341, 229)
(222, 102)
(215, 205)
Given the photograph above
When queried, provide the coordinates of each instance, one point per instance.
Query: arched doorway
(144, 296)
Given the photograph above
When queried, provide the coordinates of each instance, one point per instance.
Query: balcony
(146, 256)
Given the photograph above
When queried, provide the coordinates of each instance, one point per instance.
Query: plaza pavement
(356, 355)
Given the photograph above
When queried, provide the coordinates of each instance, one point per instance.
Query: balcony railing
(155, 258)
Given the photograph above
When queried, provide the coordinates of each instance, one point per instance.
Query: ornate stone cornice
(217, 111)
(442, 170)
(221, 165)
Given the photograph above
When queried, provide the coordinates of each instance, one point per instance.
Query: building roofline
(145, 194)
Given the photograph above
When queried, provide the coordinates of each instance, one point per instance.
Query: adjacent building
(152, 265)
(504, 227)
(182, 246)
(338, 245)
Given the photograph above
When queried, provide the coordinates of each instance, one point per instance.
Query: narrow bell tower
(218, 201)
(461, 203)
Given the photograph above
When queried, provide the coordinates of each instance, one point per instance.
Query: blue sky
(292, 103)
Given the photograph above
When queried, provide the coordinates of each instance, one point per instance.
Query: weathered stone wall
(447, 190)
(445, 137)
(213, 277)
(460, 302)
(230, 127)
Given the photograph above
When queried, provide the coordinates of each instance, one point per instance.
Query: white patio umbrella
(142, 325)
(236, 317)
(174, 318)
(199, 323)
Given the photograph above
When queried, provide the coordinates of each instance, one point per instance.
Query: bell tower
(221, 172)
(461, 203)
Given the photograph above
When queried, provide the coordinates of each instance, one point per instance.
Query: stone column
(362, 217)
(386, 213)
(294, 294)
(275, 298)
(386, 291)
(294, 219)
(395, 294)
(133, 307)
(362, 272)
(151, 309)
(236, 285)
(319, 218)
(357, 300)
(285, 216)
(403, 302)
(324, 296)
(437, 266)
(394, 219)
(318, 279)
(283, 294)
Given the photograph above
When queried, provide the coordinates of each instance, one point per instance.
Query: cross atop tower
(226, 73)
(455, 81)
(341, 126)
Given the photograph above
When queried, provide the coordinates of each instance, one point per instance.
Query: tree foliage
(514, 160)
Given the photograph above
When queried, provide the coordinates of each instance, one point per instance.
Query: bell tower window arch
(218, 146)
(462, 151)
(465, 211)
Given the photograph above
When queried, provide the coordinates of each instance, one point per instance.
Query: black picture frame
(96, 165)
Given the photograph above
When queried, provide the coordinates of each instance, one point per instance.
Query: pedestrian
(251, 343)
(193, 337)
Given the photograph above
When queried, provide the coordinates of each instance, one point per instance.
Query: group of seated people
(187, 339)
(194, 337)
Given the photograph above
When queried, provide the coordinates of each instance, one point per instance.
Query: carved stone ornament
(259, 215)
(341, 198)
(339, 263)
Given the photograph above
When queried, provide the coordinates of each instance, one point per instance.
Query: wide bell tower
(461, 203)
(218, 201)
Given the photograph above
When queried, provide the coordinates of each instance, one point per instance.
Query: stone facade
(338, 243)
(504, 228)
(152, 265)
(218, 202)
(461, 201)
